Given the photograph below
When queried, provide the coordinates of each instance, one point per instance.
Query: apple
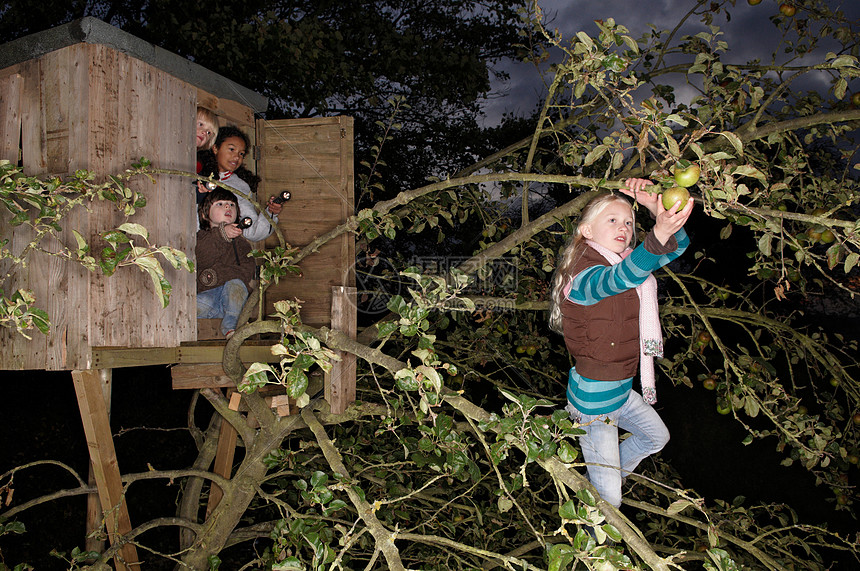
(673, 195)
(787, 9)
(521, 348)
(531, 350)
(853, 459)
(815, 233)
(834, 382)
(855, 99)
(802, 410)
(724, 407)
(827, 237)
(753, 2)
(709, 383)
(687, 177)
(856, 419)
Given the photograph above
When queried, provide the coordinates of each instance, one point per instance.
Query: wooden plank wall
(11, 94)
(313, 159)
(28, 142)
(89, 106)
(65, 91)
(137, 110)
(229, 113)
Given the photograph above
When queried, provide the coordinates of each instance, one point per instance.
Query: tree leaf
(135, 229)
(735, 141)
(678, 506)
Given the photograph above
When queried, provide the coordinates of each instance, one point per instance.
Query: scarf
(650, 337)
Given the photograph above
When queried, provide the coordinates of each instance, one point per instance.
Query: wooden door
(313, 159)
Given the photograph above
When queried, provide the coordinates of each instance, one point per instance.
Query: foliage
(38, 207)
(759, 149)
(300, 351)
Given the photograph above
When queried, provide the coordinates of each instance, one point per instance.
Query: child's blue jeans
(224, 301)
(608, 461)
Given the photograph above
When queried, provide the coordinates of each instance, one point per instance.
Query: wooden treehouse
(87, 95)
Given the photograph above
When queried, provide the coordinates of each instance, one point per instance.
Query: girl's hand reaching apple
(670, 221)
(636, 189)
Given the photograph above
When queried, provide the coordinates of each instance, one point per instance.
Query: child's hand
(635, 189)
(669, 223)
(273, 206)
(232, 231)
(202, 188)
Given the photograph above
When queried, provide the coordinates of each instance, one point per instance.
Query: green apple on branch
(686, 176)
(673, 195)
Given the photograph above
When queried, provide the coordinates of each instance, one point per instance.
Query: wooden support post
(224, 455)
(94, 506)
(340, 383)
(91, 402)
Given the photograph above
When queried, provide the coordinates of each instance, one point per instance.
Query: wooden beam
(200, 376)
(94, 506)
(282, 404)
(224, 454)
(340, 383)
(91, 402)
(203, 352)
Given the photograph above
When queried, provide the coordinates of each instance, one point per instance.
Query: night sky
(750, 34)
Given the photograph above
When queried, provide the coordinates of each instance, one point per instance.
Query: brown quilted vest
(603, 338)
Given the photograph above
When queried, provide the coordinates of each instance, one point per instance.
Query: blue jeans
(224, 301)
(607, 461)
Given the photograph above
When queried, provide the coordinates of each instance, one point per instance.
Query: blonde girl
(604, 302)
(207, 128)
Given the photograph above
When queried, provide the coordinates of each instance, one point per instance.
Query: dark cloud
(748, 30)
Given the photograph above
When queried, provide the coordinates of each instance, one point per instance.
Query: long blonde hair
(573, 251)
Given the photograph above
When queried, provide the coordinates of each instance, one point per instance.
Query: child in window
(207, 130)
(226, 158)
(224, 270)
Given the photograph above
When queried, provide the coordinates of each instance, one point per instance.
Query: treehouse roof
(93, 31)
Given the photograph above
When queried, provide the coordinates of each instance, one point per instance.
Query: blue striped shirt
(596, 397)
(599, 282)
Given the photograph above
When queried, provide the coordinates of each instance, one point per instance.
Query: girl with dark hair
(225, 164)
